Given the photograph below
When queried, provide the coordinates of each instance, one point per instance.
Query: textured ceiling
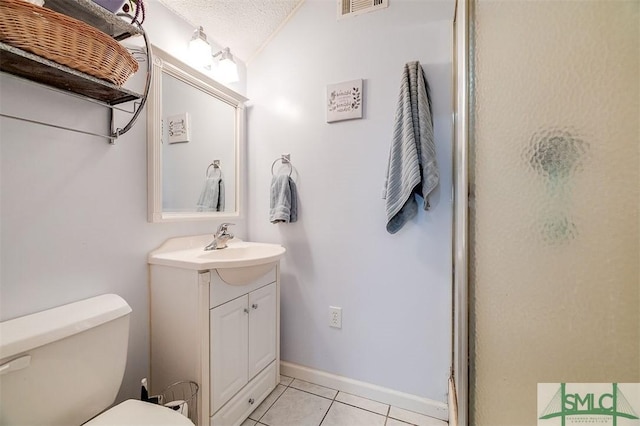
(242, 25)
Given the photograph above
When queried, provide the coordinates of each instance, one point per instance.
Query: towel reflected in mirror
(212, 195)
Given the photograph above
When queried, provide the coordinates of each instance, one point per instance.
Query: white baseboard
(398, 399)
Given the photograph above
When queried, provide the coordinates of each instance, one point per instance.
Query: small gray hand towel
(212, 195)
(220, 203)
(412, 167)
(284, 200)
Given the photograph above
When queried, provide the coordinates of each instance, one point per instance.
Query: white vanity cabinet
(243, 342)
(223, 336)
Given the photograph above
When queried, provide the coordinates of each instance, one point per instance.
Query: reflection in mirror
(198, 130)
(195, 130)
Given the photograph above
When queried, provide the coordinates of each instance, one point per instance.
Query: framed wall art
(179, 130)
(344, 101)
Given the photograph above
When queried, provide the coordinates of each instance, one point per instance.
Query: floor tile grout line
(341, 402)
(363, 409)
(354, 406)
(402, 421)
(267, 410)
(386, 416)
(330, 405)
(274, 401)
(368, 399)
(310, 393)
(315, 394)
(311, 383)
(327, 412)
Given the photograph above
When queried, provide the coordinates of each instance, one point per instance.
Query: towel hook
(285, 159)
(215, 165)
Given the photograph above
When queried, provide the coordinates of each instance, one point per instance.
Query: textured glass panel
(555, 281)
(555, 156)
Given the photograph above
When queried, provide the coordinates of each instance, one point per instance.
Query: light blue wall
(395, 290)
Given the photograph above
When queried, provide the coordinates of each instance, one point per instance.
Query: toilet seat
(133, 412)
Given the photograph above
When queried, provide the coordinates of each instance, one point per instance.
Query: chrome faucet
(220, 238)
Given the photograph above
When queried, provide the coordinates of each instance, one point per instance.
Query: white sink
(189, 253)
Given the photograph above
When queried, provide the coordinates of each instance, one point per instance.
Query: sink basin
(189, 253)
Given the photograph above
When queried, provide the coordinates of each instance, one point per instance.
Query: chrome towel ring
(216, 166)
(285, 159)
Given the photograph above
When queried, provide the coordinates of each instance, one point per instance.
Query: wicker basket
(64, 40)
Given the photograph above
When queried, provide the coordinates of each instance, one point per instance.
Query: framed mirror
(195, 131)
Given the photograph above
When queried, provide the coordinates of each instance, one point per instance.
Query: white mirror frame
(164, 63)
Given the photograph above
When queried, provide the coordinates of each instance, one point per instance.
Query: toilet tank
(64, 365)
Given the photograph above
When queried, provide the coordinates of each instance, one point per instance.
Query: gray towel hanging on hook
(412, 168)
(284, 195)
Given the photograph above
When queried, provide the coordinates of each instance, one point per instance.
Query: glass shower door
(554, 229)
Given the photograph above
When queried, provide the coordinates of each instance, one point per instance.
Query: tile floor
(297, 403)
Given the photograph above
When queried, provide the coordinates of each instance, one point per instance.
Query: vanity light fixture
(227, 67)
(200, 49)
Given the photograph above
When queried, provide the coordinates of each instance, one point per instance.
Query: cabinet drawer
(251, 278)
(247, 400)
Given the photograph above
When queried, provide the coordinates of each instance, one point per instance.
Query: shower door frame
(460, 337)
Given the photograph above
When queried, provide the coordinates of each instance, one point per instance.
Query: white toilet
(65, 365)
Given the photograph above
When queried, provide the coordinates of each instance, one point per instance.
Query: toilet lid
(137, 413)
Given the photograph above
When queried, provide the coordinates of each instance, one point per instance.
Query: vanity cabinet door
(229, 350)
(262, 328)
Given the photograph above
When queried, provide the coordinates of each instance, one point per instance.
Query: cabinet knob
(246, 311)
(254, 306)
(251, 401)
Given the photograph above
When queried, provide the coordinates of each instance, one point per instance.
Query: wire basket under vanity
(183, 398)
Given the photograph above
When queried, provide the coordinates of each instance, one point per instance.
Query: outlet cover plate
(335, 317)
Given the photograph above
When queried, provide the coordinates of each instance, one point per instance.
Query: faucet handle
(223, 227)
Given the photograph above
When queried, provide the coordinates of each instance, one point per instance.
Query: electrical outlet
(335, 317)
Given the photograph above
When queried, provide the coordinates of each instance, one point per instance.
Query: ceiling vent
(356, 7)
